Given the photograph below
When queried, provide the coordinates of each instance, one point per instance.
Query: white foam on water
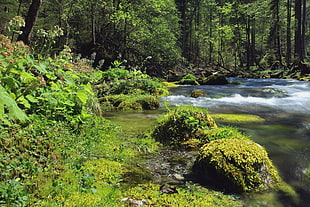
(296, 99)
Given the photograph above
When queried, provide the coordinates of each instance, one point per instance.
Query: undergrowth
(55, 147)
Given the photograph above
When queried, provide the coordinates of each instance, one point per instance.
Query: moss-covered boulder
(197, 93)
(123, 102)
(216, 79)
(235, 165)
(179, 126)
(130, 105)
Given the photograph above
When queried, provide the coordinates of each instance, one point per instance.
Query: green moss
(170, 84)
(241, 165)
(136, 174)
(307, 176)
(134, 102)
(237, 118)
(180, 125)
(188, 196)
(225, 132)
(104, 171)
(129, 106)
(189, 79)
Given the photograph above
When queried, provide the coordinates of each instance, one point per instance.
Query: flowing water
(283, 103)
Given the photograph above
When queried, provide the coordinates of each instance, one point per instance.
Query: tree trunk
(30, 21)
(298, 43)
(278, 39)
(303, 30)
(288, 34)
(248, 43)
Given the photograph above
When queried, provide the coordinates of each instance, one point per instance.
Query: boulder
(215, 79)
(179, 127)
(197, 93)
(234, 165)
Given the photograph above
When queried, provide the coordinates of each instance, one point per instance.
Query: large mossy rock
(235, 165)
(179, 126)
(216, 79)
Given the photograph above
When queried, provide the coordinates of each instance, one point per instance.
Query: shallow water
(284, 104)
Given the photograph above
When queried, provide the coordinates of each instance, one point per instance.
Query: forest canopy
(160, 35)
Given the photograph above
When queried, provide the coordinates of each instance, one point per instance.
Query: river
(283, 103)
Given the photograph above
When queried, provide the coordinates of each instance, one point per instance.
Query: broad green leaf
(14, 112)
(32, 98)
(9, 82)
(22, 100)
(89, 89)
(27, 77)
(82, 96)
(41, 67)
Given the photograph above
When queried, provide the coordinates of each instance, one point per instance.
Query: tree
(298, 32)
(288, 33)
(30, 21)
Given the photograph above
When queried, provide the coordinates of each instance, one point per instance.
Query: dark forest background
(161, 35)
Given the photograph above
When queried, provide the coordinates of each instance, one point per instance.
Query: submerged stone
(197, 93)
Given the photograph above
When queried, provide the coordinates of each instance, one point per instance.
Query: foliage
(182, 124)
(236, 165)
(189, 79)
(46, 39)
(51, 87)
(15, 24)
(130, 102)
(126, 90)
(122, 81)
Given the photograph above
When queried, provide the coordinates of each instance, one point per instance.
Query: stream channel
(283, 103)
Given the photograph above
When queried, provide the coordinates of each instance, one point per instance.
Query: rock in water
(234, 165)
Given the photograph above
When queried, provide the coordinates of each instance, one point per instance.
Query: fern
(9, 108)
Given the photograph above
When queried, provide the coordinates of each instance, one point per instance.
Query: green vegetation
(233, 119)
(57, 150)
(55, 147)
(241, 165)
(180, 126)
(187, 196)
(259, 38)
(189, 79)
